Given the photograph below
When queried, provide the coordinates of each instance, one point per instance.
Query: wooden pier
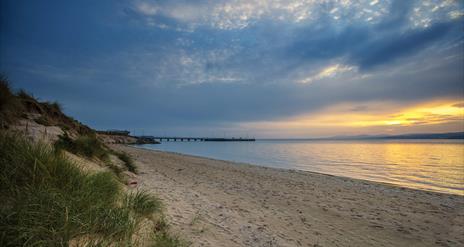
(197, 139)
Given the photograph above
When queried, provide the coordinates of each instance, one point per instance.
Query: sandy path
(218, 203)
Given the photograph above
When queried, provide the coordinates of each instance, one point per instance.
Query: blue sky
(264, 68)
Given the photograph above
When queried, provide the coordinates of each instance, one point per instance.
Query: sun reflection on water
(435, 165)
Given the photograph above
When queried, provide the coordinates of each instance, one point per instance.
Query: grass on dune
(48, 201)
(165, 240)
(86, 145)
(20, 105)
(128, 162)
(90, 146)
(142, 203)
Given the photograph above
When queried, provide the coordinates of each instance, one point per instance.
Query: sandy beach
(219, 203)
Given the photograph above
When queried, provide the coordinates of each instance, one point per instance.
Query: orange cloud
(376, 116)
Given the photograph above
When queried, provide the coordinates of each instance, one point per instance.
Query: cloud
(328, 72)
(386, 49)
(363, 34)
(146, 8)
(456, 14)
(201, 65)
(398, 15)
(240, 14)
(365, 47)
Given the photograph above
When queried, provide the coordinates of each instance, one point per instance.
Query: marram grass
(91, 147)
(86, 145)
(128, 162)
(47, 201)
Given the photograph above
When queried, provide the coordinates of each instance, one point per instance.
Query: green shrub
(46, 200)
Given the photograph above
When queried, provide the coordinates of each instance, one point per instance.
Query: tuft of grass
(86, 145)
(128, 161)
(23, 95)
(48, 201)
(56, 106)
(53, 108)
(142, 203)
(115, 169)
(163, 239)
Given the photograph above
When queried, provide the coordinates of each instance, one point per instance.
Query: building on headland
(114, 132)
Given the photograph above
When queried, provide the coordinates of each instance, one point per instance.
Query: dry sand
(218, 203)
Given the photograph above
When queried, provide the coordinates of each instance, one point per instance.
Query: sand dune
(219, 203)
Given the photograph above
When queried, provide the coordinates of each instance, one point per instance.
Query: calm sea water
(435, 165)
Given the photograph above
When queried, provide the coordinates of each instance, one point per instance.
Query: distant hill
(416, 136)
(450, 135)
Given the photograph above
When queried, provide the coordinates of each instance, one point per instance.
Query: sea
(432, 165)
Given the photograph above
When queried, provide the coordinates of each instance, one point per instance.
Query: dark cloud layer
(368, 47)
(399, 45)
(160, 68)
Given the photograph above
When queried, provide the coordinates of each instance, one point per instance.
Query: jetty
(196, 139)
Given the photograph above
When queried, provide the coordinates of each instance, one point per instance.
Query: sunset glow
(340, 117)
(418, 115)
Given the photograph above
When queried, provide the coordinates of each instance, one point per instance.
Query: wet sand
(219, 203)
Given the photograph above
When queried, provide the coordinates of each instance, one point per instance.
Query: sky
(267, 69)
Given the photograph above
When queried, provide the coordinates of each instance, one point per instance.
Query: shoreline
(221, 203)
(297, 170)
